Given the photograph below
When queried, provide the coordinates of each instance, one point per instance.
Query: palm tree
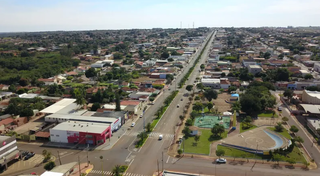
(116, 171)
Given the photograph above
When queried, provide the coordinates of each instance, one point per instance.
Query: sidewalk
(84, 169)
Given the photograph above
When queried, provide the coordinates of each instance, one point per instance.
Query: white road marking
(130, 162)
(168, 159)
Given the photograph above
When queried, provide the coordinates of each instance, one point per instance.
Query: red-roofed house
(6, 123)
(132, 105)
(50, 81)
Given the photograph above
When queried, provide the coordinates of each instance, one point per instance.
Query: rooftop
(315, 94)
(59, 105)
(314, 122)
(254, 66)
(210, 80)
(85, 118)
(78, 126)
(309, 108)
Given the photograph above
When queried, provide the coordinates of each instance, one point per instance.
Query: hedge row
(185, 78)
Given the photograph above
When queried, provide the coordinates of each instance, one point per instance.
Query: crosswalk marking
(110, 173)
(153, 135)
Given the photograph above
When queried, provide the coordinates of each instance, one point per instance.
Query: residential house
(254, 69)
(246, 62)
(50, 81)
(316, 67)
(278, 63)
(224, 84)
(212, 83)
(132, 105)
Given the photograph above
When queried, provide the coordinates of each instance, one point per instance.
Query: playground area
(207, 121)
(260, 138)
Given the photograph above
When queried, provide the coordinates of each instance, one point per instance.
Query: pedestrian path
(99, 172)
(153, 135)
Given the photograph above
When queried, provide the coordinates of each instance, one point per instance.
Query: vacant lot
(221, 104)
(143, 78)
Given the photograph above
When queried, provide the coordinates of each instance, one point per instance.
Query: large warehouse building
(80, 126)
(311, 97)
(8, 150)
(80, 133)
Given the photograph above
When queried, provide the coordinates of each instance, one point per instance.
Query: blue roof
(234, 95)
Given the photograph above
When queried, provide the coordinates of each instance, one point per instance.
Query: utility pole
(158, 167)
(59, 157)
(162, 162)
(88, 155)
(79, 165)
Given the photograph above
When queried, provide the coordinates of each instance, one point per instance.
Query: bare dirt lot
(221, 104)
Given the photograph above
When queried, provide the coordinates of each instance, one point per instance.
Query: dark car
(29, 155)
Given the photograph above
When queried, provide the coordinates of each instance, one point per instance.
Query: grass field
(283, 133)
(243, 130)
(267, 114)
(203, 145)
(231, 152)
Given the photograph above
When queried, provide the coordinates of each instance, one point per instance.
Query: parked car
(160, 137)
(221, 160)
(141, 116)
(29, 155)
(279, 108)
(177, 105)
(181, 99)
(133, 124)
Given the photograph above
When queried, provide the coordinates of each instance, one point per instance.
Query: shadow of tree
(214, 138)
(276, 166)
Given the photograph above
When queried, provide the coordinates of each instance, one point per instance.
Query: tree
(180, 151)
(95, 106)
(181, 117)
(210, 106)
(291, 161)
(285, 119)
(210, 94)
(288, 93)
(196, 138)
(165, 55)
(117, 56)
(186, 131)
(277, 158)
(202, 66)
(116, 171)
(198, 106)
(189, 87)
(149, 127)
(118, 107)
(308, 76)
(79, 94)
(279, 127)
(200, 86)
(44, 152)
(49, 166)
(236, 106)
(250, 103)
(231, 89)
(266, 55)
(12, 88)
(24, 82)
(91, 72)
(27, 112)
(217, 129)
(294, 129)
(142, 136)
(306, 164)
(281, 74)
(220, 152)
(298, 139)
(223, 74)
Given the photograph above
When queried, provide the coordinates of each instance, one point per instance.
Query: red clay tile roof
(126, 103)
(43, 134)
(6, 121)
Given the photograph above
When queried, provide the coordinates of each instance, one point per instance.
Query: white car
(160, 137)
(221, 160)
(133, 124)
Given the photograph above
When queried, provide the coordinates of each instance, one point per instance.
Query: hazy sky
(44, 15)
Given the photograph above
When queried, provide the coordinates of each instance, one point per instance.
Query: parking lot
(24, 164)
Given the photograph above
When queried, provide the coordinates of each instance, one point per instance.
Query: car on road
(133, 124)
(29, 155)
(181, 99)
(221, 160)
(178, 106)
(279, 108)
(141, 116)
(160, 137)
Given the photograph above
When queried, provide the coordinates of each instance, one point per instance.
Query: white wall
(58, 136)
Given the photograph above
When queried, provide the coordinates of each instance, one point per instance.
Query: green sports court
(207, 121)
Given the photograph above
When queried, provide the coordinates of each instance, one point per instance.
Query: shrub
(49, 165)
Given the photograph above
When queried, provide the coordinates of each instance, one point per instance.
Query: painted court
(259, 138)
(207, 121)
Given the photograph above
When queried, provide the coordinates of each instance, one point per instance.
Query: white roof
(315, 94)
(58, 106)
(314, 122)
(49, 173)
(28, 96)
(254, 66)
(83, 118)
(77, 126)
(112, 106)
(210, 80)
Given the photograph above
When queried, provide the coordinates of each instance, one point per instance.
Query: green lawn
(231, 152)
(203, 146)
(267, 114)
(283, 133)
(243, 130)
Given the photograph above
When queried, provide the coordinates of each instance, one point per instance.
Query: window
(57, 135)
(52, 135)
